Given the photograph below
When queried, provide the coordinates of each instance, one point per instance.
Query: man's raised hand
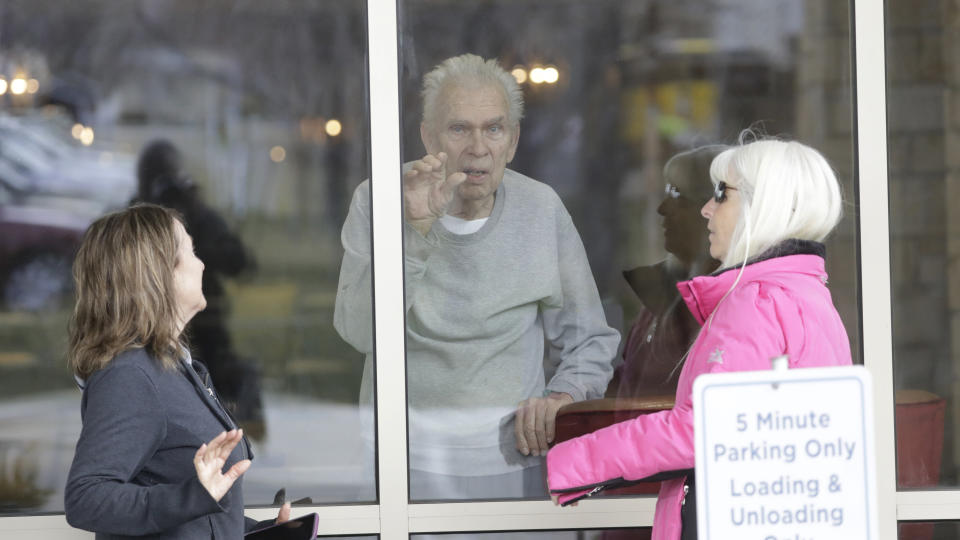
(428, 191)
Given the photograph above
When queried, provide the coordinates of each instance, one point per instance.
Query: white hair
(469, 70)
(787, 190)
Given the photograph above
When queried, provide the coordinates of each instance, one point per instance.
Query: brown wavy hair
(124, 281)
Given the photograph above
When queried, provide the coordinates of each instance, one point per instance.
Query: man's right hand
(428, 192)
(536, 422)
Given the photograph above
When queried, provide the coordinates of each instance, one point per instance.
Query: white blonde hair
(466, 71)
(787, 190)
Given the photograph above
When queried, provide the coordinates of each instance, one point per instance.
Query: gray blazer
(133, 473)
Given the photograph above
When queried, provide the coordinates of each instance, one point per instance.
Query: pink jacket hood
(779, 306)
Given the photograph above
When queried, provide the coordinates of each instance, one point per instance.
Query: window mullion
(871, 129)
(387, 219)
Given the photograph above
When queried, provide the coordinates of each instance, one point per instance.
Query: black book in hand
(301, 528)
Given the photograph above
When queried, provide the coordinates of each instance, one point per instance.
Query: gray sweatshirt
(479, 308)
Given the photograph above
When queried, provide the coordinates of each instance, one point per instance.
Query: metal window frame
(394, 518)
(874, 244)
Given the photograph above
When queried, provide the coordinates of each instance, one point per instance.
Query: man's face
(472, 127)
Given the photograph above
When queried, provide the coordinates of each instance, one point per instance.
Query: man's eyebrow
(498, 120)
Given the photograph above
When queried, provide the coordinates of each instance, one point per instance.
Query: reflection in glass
(664, 328)
(162, 180)
(266, 106)
(636, 84)
(925, 278)
(656, 343)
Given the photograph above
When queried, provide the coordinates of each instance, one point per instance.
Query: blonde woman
(774, 202)
(158, 455)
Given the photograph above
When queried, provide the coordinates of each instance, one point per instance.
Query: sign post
(785, 454)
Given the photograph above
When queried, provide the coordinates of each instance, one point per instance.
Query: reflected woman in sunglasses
(774, 202)
(664, 328)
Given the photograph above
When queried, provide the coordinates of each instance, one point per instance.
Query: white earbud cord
(743, 266)
(725, 295)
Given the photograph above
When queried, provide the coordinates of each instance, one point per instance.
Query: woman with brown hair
(156, 440)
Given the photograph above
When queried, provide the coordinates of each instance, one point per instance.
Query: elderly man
(494, 267)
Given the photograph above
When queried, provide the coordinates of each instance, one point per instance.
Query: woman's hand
(283, 515)
(210, 459)
(556, 498)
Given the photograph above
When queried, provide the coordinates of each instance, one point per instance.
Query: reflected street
(39, 433)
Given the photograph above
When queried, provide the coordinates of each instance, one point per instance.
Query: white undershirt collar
(462, 226)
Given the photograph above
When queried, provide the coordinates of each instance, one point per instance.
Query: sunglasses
(720, 191)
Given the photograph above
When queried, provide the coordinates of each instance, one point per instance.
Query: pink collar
(703, 293)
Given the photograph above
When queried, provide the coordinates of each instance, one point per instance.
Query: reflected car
(39, 236)
(50, 192)
(32, 161)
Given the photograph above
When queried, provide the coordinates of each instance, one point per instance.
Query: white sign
(785, 455)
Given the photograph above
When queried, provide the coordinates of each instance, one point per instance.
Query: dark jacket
(133, 473)
(659, 337)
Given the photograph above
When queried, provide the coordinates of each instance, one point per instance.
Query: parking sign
(785, 455)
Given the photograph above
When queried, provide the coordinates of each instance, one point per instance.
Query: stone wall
(951, 99)
(919, 133)
(923, 128)
(824, 121)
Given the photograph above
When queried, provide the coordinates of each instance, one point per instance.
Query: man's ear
(515, 138)
(428, 139)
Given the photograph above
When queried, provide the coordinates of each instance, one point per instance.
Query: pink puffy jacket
(780, 306)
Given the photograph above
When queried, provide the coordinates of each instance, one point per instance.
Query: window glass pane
(613, 91)
(265, 110)
(923, 128)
